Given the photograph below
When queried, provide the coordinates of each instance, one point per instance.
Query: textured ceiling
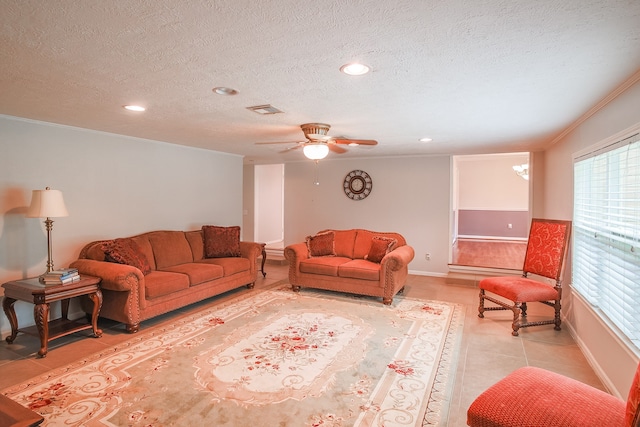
(476, 76)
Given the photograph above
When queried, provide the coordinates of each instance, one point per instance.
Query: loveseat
(156, 272)
(356, 261)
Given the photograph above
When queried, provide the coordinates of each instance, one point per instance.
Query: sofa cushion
(220, 242)
(126, 251)
(380, 246)
(322, 244)
(344, 241)
(362, 244)
(196, 241)
(360, 269)
(326, 266)
(197, 272)
(94, 250)
(170, 248)
(159, 283)
(144, 245)
(230, 265)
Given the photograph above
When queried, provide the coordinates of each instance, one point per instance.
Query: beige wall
(113, 186)
(248, 201)
(489, 196)
(488, 182)
(610, 356)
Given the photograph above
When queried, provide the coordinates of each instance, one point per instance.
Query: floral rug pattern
(273, 358)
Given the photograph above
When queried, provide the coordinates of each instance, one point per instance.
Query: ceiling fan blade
(336, 148)
(281, 142)
(355, 141)
(286, 150)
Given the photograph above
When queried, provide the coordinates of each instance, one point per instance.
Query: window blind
(606, 233)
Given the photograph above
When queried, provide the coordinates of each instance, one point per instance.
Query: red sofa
(178, 274)
(348, 265)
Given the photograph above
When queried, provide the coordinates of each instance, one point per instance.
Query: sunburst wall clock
(357, 185)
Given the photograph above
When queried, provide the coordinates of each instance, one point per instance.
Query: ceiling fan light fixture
(355, 69)
(315, 151)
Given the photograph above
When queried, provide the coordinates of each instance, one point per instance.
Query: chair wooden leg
(523, 307)
(516, 319)
(481, 305)
(556, 318)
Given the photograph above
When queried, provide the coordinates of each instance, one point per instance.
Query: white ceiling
(477, 76)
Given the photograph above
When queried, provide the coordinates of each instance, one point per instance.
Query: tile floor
(488, 351)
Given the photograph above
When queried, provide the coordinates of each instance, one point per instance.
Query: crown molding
(599, 106)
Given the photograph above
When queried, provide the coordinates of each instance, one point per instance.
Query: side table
(12, 414)
(32, 291)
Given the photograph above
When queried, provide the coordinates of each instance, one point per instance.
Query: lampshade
(316, 151)
(47, 204)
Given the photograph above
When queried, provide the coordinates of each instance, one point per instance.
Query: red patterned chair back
(632, 416)
(546, 248)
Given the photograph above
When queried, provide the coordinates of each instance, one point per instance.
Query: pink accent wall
(485, 223)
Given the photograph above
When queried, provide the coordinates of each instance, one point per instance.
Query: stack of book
(63, 276)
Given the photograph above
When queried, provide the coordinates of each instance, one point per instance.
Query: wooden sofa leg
(295, 288)
(387, 301)
(132, 328)
(251, 285)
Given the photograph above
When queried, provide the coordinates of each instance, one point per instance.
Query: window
(606, 232)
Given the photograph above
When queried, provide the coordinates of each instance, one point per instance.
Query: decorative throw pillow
(321, 244)
(380, 246)
(126, 251)
(221, 242)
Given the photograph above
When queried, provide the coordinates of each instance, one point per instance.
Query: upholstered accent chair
(546, 251)
(536, 397)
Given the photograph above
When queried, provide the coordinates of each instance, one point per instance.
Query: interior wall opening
(491, 210)
(269, 205)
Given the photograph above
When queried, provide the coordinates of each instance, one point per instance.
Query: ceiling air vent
(264, 109)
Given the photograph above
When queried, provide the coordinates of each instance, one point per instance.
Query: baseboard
(276, 261)
(275, 257)
(483, 271)
(427, 273)
(492, 238)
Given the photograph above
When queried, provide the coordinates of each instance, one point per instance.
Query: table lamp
(47, 204)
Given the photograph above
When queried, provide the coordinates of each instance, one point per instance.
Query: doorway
(269, 205)
(491, 210)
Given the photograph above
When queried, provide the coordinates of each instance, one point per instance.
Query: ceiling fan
(318, 143)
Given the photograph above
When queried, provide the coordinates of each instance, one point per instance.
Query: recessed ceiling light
(355, 69)
(426, 139)
(134, 108)
(226, 91)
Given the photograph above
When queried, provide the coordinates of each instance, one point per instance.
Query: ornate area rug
(270, 358)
